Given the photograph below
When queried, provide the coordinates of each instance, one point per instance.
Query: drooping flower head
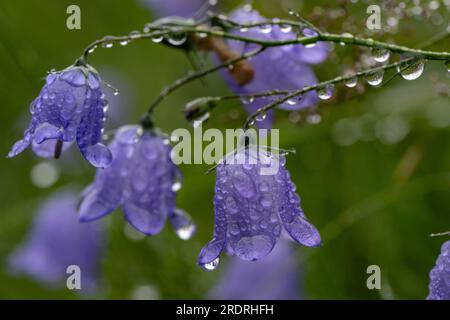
(180, 8)
(254, 201)
(58, 240)
(282, 68)
(142, 180)
(70, 106)
(440, 276)
(277, 277)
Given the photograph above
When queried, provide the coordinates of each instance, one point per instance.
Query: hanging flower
(70, 106)
(142, 180)
(440, 276)
(282, 68)
(56, 241)
(254, 201)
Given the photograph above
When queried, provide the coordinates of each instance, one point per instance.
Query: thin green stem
(191, 77)
(250, 120)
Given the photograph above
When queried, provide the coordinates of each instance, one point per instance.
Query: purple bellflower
(252, 206)
(275, 278)
(70, 106)
(440, 276)
(282, 68)
(142, 180)
(179, 8)
(56, 241)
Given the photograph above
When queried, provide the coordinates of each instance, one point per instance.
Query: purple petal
(211, 251)
(106, 193)
(440, 276)
(149, 198)
(47, 148)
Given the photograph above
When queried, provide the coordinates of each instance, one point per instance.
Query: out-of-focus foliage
(374, 175)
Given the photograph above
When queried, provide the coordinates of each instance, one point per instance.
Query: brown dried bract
(242, 71)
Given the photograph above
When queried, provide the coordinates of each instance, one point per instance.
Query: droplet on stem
(375, 78)
(325, 92)
(157, 38)
(265, 28)
(133, 35)
(177, 38)
(261, 117)
(411, 69)
(285, 28)
(352, 82)
(107, 42)
(247, 99)
(380, 54)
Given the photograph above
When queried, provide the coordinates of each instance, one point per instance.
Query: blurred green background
(374, 174)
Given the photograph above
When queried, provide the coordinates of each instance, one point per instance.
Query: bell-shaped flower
(58, 240)
(440, 276)
(70, 106)
(142, 180)
(282, 68)
(254, 201)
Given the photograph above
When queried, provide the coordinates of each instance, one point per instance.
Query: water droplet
(325, 92)
(116, 92)
(186, 232)
(202, 35)
(265, 28)
(243, 29)
(375, 78)
(199, 121)
(412, 69)
(346, 38)
(261, 117)
(291, 102)
(352, 82)
(92, 49)
(285, 28)
(176, 186)
(157, 38)
(177, 38)
(263, 187)
(447, 64)
(247, 99)
(266, 202)
(133, 35)
(107, 42)
(253, 248)
(212, 265)
(123, 42)
(243, 184)
(291, 12)
(381, 54)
